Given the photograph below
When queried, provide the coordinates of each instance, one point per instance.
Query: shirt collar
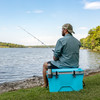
(68, 35)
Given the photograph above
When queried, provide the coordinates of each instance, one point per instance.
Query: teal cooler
(70, 79)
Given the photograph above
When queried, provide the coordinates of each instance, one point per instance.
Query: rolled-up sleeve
(58, 48)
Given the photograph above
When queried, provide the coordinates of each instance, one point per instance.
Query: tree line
(92, 41)
(10, 45)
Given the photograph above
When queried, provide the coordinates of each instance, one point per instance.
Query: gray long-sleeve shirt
(67, 52)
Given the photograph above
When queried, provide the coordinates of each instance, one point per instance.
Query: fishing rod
(34, 36)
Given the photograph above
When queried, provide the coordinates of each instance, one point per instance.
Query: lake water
(21, 63)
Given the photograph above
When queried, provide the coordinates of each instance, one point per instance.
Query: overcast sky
(44, 19)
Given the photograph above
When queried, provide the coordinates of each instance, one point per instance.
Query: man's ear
(66, 30)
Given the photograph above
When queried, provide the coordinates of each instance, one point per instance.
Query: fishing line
(34, 36)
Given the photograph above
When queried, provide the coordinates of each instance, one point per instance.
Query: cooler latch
(56, 74)
(74, 75)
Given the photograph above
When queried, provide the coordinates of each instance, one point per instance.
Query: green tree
(92, 41)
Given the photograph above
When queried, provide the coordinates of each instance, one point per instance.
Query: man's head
(67, 28)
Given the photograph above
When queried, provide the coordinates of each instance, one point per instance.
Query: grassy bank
(90, 92)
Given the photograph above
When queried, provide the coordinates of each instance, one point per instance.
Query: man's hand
(55, 59)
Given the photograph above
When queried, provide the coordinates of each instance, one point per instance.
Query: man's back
(67, 50)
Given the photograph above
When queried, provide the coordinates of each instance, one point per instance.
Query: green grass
(90, 92)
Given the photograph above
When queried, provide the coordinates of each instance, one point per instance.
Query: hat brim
(71, 31)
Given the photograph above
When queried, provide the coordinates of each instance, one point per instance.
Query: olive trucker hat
(69, 27)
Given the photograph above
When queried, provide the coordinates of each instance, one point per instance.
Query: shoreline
(34, 81)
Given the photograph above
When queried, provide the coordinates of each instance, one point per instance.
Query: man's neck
(66, 33)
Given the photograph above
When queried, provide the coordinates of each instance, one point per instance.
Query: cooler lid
(67, 70)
